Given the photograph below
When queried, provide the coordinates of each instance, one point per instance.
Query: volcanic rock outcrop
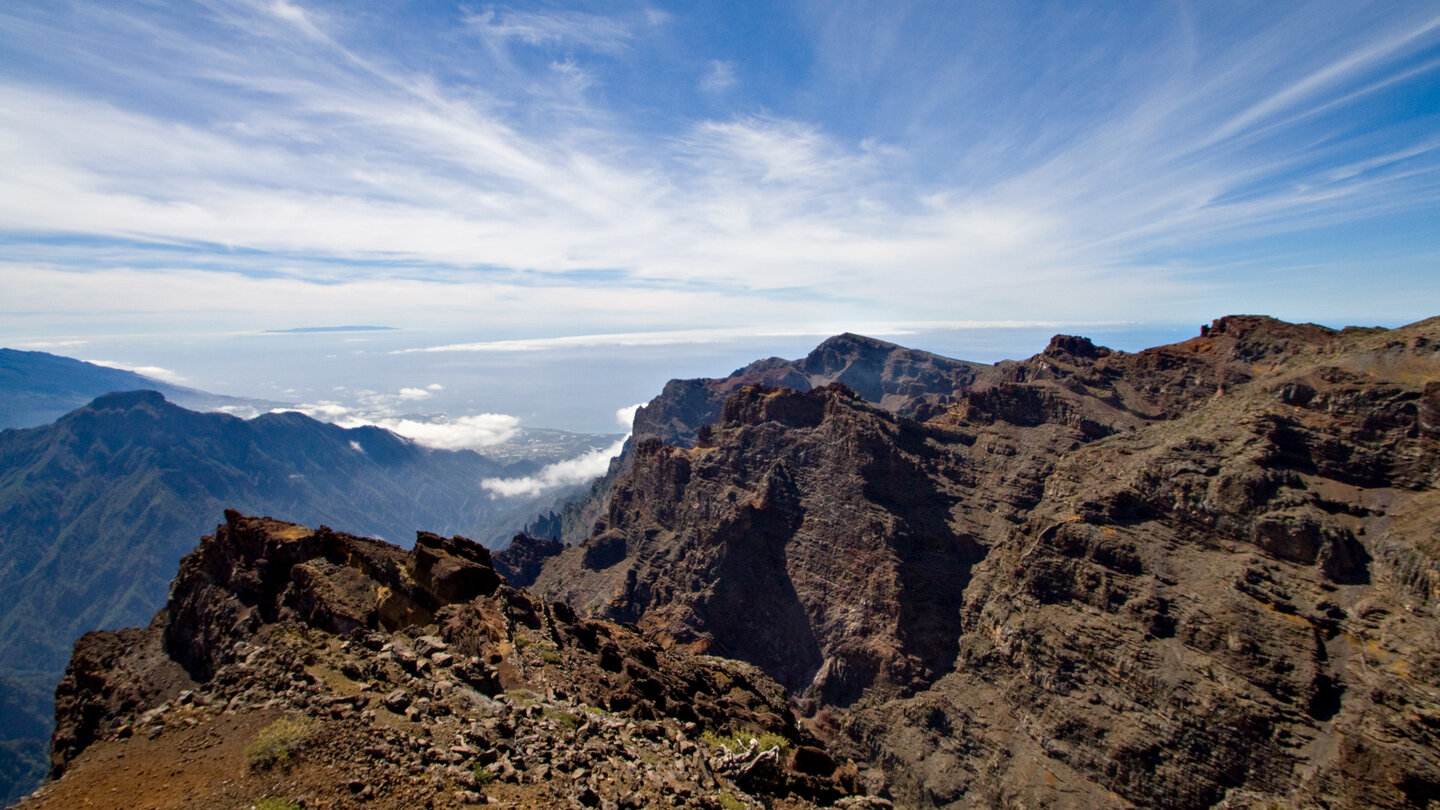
(97, 509)
(1202, 574)
(326, 670)
(904, 381)
(909, 382)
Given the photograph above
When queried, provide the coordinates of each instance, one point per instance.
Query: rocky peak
(1197, 575)
(902, 380)
(335, 670)
(520, 561)
(125, 400)
(758, 513)
(1074, 347)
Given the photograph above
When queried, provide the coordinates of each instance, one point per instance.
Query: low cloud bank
(569, 472)
(625, 417)
(441, 433)
(460, 433)
(153, 372)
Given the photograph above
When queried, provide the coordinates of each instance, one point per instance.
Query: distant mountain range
(97, 508)
(37, 388)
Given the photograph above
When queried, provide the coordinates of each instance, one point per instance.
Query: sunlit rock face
(1202, 573)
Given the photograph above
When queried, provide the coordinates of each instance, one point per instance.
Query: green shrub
(278, 742)
(551, 657)
(730, 802)
(274, 804)
(569, 720)
(522, 696)
(738, 742)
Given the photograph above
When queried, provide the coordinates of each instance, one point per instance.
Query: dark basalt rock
(520, 561)
(1202, 574)
(322, 625)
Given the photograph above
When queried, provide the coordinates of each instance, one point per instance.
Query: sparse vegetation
(482, 774)
(551, 657)
(522, 697)
(569, 720)
(739, 741)
(277, 743)
(730, 802)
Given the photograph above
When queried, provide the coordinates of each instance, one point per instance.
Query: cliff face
(1204, 573)
(331, 670)
(787, 538)
(905, 381)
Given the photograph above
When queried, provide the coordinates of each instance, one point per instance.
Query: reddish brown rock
(1201, 574)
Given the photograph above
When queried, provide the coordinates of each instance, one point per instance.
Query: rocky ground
(324, 670)
(1204, 574)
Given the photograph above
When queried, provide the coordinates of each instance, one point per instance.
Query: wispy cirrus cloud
(720, 77)
(274, 153)
(550, 26)
(656, 338)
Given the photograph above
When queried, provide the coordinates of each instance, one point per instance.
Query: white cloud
(625, 417)
(324, 410)
(435, 387)
(658, 338)
(721, 77)
(299, 160)
(239, 411)
(552, 27)
(38, 345)
(411, 394)
(573, 471)
(153, 372)
(458, 433)
(569, 472)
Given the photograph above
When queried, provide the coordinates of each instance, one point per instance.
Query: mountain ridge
(409, 678)
(37, 388)
(97, 505)
(1078, 538)
(1201, 575)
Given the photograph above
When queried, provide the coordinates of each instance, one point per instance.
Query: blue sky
(558, 170)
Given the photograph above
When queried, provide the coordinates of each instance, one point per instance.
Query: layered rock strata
(1202, 574)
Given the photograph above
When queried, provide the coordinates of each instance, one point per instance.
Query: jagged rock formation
(318, 667)
(521, 561)
(1201, 574)
(905, 381)
(97, 509)
(901, 380)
